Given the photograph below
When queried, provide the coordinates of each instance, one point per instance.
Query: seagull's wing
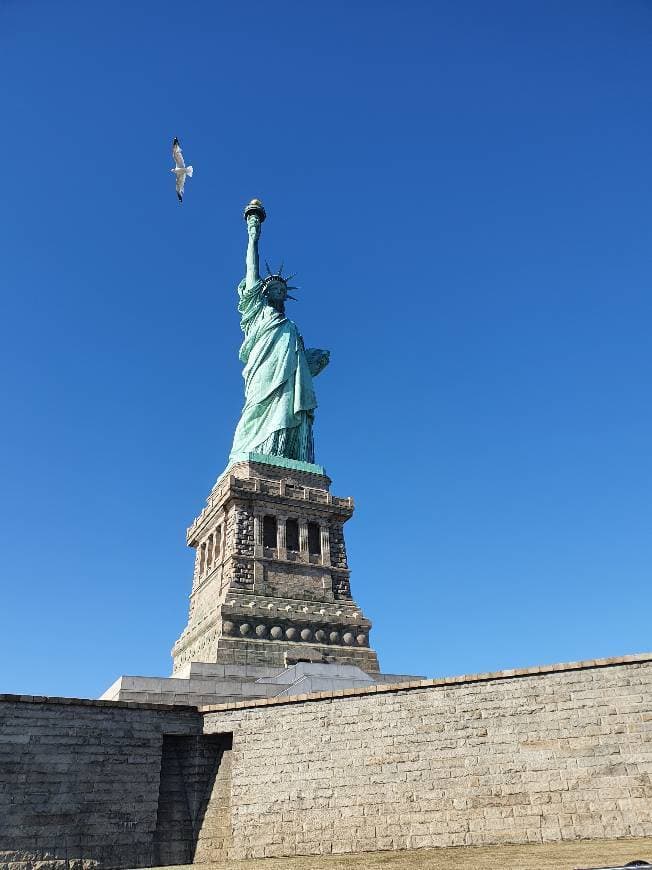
(177, 155)
(181, 180)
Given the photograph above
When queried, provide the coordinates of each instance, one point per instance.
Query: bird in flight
(180, 168)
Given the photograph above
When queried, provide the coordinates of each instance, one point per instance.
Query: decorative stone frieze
(325, 634)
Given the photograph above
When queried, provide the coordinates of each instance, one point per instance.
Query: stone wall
(81, 785)
(534, 756)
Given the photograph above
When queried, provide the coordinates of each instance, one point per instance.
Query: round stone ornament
(320, 636)
(291, 633)
(276, 632)
(245, 629)
(306, 634)
(334, 637)
(261, 630)
(348, 638)
(228, 628)
(361, 639)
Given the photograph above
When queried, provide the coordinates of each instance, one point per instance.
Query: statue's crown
(277, 276)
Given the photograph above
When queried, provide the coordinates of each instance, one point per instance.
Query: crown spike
(280, 269)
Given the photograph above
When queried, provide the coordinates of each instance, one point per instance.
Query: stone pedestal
(271, 582)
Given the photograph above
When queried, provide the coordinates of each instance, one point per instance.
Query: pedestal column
(325, 545)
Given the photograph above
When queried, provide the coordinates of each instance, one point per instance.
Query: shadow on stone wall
(194, 818)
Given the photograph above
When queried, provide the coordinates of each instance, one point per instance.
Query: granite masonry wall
(88, 784)
(534, 756)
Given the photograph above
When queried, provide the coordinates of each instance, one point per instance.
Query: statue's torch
(255, 207)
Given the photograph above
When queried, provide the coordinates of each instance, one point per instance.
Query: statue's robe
(279, 397)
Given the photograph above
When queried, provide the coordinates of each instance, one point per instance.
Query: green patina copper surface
(280, 401)
(278, 461)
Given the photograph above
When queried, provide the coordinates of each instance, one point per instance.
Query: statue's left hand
(317, 360)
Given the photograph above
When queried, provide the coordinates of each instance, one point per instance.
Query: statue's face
(276, 292)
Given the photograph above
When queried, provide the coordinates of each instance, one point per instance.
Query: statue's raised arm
(254, 215)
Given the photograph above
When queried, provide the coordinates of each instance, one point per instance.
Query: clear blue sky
(465, 192)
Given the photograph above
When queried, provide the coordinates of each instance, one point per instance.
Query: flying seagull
(180, 169)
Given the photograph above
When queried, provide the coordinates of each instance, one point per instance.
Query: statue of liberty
(280, 401)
